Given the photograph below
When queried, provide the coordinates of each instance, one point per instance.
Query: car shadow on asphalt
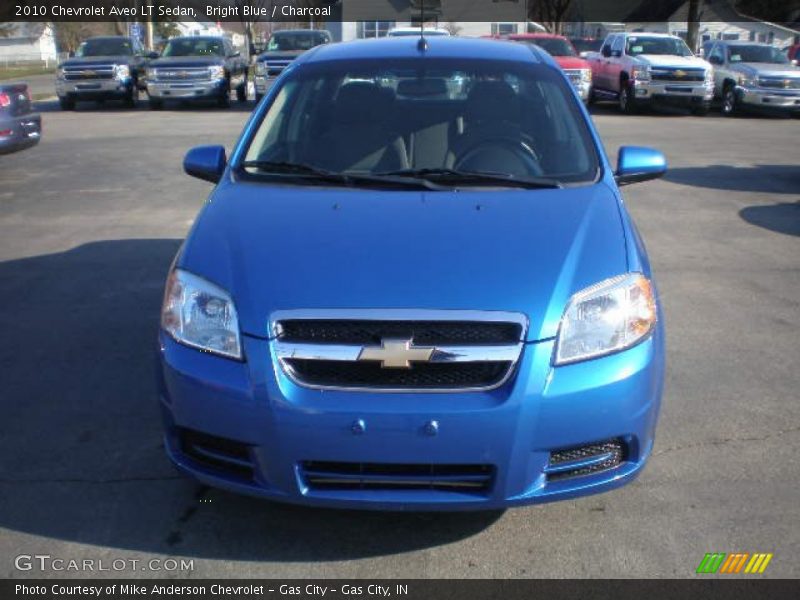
(48, 106)
(80, 433)
(768, 179)
(783, 217)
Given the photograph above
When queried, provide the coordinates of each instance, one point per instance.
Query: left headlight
(200, 314)
(605, 318)
(60, 73)
(216, 72)
(641, 73)
(122, 71)
(709, 76)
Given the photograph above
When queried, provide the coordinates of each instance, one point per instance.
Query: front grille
(370, 374)
(678, 74)
(465, 479)
(352, 331)
(585, 460)
(181, 75)
(89, 73)
(273, 68)
(781, 83)
(218, 454)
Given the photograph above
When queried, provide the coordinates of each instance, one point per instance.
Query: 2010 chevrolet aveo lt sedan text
(415, 286)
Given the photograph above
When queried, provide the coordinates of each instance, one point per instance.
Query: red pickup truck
(578, 70)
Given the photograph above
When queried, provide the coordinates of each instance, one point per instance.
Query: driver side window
(616, 48)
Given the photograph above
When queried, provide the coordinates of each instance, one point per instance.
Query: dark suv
(103, 68)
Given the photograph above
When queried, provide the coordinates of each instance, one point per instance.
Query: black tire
(730, 103)
(241, 92)
(224, 98)
(626, 100)
(66, 102)
(156, 104)
(592, 98)
(132, 97)
(701, 109)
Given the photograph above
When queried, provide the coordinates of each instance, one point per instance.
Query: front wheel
(627, 104)
(224, 98)
(241, 92)
(730, 104)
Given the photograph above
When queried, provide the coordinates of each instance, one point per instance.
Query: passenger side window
(716, 56)
(616, 47)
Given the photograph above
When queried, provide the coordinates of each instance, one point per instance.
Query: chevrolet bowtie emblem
(396, 354)
(680, 73)
(88, 73)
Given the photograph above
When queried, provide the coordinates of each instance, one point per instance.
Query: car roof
(742, 43)
(648, 34)
(437, 47)
(197, 37)
(300, 31)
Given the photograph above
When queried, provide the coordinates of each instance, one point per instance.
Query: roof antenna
(422, 44)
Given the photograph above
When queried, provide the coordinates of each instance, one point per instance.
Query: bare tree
(550, 13)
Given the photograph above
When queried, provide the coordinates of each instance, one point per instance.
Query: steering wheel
(513, 156)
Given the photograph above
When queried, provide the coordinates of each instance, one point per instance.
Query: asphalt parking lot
(89, 222)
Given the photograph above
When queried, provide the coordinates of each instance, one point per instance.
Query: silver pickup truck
(752, 75)
(640, 68)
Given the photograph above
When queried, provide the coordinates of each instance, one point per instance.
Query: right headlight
(641, 73)
(200, 314)
(747, 81)
(216, 72)
(261, 68)
(605, 318)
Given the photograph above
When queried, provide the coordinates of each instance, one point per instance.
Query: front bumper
(513, 428)
(18, 133)
(767, 98)
(673, 91)
(186, 90)
(94, 89)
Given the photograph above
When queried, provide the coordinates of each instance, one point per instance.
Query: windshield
(657, 45)
(295, 41)
(757, 54)
(194, 47)
(105, 47)
(554, 46)
(414, 116)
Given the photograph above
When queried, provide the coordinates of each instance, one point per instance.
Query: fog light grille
(585, 460)
(222, 455)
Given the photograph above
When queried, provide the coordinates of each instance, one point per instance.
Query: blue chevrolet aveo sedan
(415, 286)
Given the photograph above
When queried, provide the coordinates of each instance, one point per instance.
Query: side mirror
(635, 163)
(236, 54)
(153, 55)
(205, 162)
(606, 51)
(616, 53)
(715, 60)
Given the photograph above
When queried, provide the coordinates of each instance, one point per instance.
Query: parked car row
(638, 69)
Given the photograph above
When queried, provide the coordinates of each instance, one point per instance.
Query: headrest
(492, 101)
(360, 101)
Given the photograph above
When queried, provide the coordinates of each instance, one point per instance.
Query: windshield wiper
(343, 178)
(453, 176)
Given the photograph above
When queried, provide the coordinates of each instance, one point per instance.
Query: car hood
(571, 62)
(284, 55)
(88, 61)
(767, 69)
(667, 60)
(285, 247)
(187, 61)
